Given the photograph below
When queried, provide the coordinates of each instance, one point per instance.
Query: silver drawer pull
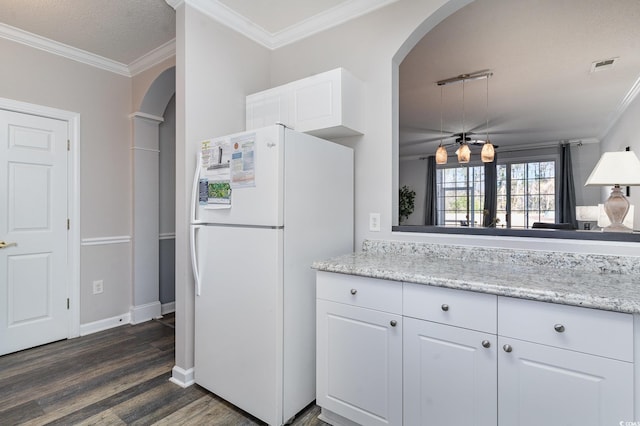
(486, 344)
(354, 291)
(507, 348)
(444, 307)
(393, 323)
(559, 328)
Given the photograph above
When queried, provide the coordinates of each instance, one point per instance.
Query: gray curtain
(490, 192)
(430, 204)
(567, 207)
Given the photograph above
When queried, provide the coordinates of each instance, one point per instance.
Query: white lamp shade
(464, 153)
(441, 155)
(616, 168)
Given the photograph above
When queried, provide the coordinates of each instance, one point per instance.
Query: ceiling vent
(604, 64)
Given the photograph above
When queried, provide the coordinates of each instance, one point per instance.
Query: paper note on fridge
(215, 183)
(243, 161)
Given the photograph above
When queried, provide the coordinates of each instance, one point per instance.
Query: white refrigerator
(266, 204)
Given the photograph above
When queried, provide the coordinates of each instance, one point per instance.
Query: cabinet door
(449, 376)
(359, 363)
(542, 385)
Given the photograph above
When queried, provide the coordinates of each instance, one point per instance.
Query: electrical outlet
(374, 222)
(98, 287)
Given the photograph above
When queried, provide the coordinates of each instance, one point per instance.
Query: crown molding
(317, 23)
(631, 95)
(152, 58)
(33, 40)
(175, 3)
(141, 64)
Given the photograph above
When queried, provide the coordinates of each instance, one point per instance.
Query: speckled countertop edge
(612, 291)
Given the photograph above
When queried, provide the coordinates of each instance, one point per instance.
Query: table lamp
(616, 168)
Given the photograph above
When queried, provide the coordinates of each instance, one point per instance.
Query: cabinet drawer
(591, 331)
(475, 311)
(370, 293)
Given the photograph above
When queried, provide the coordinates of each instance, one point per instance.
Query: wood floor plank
(116, 377)
(206, 411)
(103, 418)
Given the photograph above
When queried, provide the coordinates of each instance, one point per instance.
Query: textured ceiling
(540, 53)
(120, 30)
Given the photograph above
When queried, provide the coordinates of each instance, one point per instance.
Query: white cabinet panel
(541, 385)
(359, 362)
(450, 375)
(327, 105)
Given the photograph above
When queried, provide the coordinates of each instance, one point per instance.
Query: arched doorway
(146, 158)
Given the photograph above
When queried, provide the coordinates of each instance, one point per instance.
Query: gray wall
(167, 183)
(103, 100)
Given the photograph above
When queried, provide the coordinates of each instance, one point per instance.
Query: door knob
(393, 323)
(354, 291)
(559, 328)
(486, 344)
(5, 244)
(507, 348)
(444, 307)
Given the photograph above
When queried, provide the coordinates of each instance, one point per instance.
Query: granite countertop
(570, 285)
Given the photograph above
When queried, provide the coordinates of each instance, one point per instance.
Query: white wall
(626, 132)
(103, 100)
(367, 47)
(215, 69)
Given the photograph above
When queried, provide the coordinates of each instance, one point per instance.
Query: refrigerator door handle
(195, 190)
(194, 258)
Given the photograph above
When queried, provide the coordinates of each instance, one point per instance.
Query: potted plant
(406, 202)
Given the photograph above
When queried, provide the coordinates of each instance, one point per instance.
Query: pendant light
(441, 152)
(464, 153)
(488, 152)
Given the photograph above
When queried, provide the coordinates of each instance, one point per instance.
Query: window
(526, 194)
(460, 197)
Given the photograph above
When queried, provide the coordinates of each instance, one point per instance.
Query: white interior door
(34, 274)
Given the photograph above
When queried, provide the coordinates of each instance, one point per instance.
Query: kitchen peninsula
(463, 335)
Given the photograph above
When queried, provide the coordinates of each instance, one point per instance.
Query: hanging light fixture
(441, 152)
(488, 152)
(464, 152)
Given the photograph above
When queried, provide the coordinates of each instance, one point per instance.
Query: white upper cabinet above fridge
(327, 105)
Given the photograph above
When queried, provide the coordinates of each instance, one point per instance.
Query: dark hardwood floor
(115, 377)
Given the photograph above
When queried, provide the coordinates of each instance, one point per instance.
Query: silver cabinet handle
(444, 307)
(354, 291)
(393, 323)
(559, 328)
(507, 348)
(486, 344)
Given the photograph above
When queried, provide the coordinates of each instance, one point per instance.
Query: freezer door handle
(194, 258)
(195, 193)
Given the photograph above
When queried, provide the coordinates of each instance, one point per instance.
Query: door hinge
(68, 224)
(67, 303)
(68, 145)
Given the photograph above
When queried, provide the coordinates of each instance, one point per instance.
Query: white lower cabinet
(442, 356)
(450, 375)
(359, 351)
(542, 385)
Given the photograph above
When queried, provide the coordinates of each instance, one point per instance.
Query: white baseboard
(146, 312)
(181, 377)
(168, 308)
(104, 324)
